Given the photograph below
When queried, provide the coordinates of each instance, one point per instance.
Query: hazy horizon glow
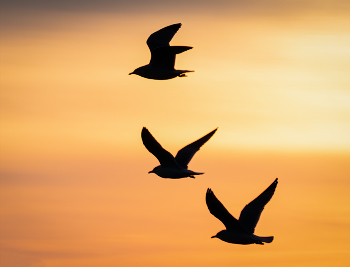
(74, 184)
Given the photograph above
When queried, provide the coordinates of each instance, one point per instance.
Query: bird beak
(150, 172)
(213, 236)
(131, 73)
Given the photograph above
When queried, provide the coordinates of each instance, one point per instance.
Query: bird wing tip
(209, 191)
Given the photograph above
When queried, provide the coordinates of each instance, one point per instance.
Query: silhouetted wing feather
(164, 57)
(251, 213)
(184, 156)
(163, 36)
(166, 159)
(219, 211)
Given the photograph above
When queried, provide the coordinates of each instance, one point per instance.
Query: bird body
(149, 72)
(161, 66)
(174, 173)
(241, 231)
(170, 166)
(242, 238)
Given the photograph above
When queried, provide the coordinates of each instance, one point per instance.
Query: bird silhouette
(161, 66)
(241, 231)
(170, 166)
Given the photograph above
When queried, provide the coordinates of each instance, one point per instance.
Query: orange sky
(74, 184)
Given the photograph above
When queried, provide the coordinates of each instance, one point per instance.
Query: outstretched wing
(163, 36)
(164, 57)
(219, 211)
(165, 158)
(184, 156)
(251, 213)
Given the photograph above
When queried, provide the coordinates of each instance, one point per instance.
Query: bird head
(139, 71)
(219, 234)
(154, 170)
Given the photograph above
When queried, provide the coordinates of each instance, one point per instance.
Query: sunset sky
(75, 189)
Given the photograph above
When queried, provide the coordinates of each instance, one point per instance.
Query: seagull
(161, 66)
(241, 231)
(171, 167)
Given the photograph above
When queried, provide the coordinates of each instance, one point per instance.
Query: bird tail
(266, 239)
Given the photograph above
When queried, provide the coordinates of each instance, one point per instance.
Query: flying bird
(241, 231)
(170, 166)
(161, 66)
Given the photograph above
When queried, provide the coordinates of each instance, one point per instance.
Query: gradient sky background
(272, 75)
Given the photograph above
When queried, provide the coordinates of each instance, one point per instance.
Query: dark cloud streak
(25, 15)
(270, 6)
